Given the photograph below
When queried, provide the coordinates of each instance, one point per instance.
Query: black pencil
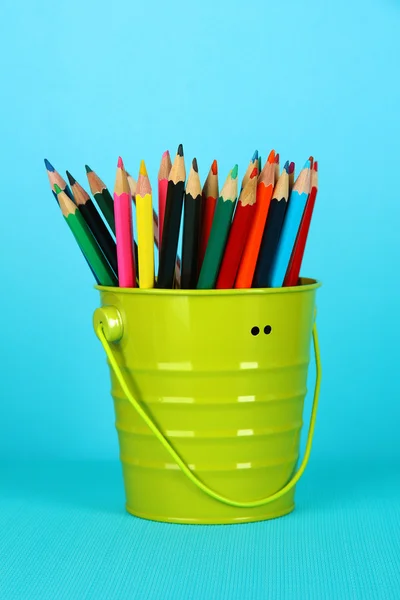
(272, 231)
(95, 222)
(191, 229)
(172, 222)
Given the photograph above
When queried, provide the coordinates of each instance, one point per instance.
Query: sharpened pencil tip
(311, 159)
(315, 166)
(291, 168)
(180, 150)
(255, 156)
(71, 179)
(286, 166)
(214, 167)
(57, 189)
(49, 166)
(271, 157)
(277, 159)
(234, 172)
(142, 170)
(120, 163)
(88, 169)
(307, 165)
(165, 154)
(194, 165)
(254, 172)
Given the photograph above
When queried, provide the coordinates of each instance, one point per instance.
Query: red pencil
(293, 272)
(163, 174)
(209, 201)
(238, 233)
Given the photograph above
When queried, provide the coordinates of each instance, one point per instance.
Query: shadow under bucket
(209, 389)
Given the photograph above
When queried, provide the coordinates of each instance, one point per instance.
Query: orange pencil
(265, 188)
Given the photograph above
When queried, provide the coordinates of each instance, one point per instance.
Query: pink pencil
(124, 228)
(163, 175)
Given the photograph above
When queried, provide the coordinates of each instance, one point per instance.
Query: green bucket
(209, 390)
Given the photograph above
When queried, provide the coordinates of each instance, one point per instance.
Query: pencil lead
(271, 157)
(57, 189)
(49, 166)
(180, 150)
(254, 173)
(88, 169)
(307, 165)
(165, 154)
(255, 156)
(143, 170)
(71, 179)
(214, 167)
(291, 168)
(287, 167)
(311, 159)
(234, 172)
(194, 165)
(277, 158)
(120, 163)
(315, 165)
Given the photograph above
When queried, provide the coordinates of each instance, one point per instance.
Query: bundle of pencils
(254, 238)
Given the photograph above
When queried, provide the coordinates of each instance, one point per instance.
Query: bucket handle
(114, 329)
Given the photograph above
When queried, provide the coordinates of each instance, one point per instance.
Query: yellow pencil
(144, 219)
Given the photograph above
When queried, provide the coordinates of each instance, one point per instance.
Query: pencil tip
(234, 172)
(142, 170)
(315, 166)
(254, 172)
(71, 179)
(307, 165)
(291, 168)
(88, 169)
(255, 156)
(311, 159)
(214, 167)
(180, 150)
(49, 166)
(57, 189)
(166, 154)
(120, 164)
(277, 158)
(286, 166)
(194, 165)
(271, 157)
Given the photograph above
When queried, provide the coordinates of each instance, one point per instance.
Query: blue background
(82, 82)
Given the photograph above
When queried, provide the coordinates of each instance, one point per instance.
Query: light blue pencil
(291, 224)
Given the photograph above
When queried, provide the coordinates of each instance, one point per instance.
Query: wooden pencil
(191, 225)
(56, 179)
(296, 205)
(238, 233)
(163, 174)
(94, 222)
(293, 272)
(85, 239)
(265, 188)
(219, 232)
(291, 176)
(272, 230)
(145, 232)
(259, 164)
(172, 222)
(133, 186)
(277, 167)
(102, 196)
(208, 203)
(124, 228)
(250, 168)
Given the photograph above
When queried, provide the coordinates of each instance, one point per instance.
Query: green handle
(103, 326)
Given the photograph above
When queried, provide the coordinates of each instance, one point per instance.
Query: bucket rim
(307, 284)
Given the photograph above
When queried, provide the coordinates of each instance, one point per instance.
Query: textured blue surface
(65, 535)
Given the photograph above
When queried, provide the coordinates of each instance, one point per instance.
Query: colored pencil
(291, 176)
(124, 228)
(163, 174)
(85, 239)
(56, 179)
(238, 233)
(272, 230)
(191, 225)
(94, 222)
(145, 233)
(296, 205)
(259, 164)
(249, 170)
(133, 186)
(208, 203)
(219, 231)
(277, 167)
(265, 188)
(293, 272)
(172, 221)
(102, 196)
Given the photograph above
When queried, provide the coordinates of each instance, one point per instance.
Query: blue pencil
(55, 177)
(291, 224)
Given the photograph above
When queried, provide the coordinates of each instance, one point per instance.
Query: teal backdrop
(84, 82)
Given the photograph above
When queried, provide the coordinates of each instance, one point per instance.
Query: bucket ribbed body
(229, 401)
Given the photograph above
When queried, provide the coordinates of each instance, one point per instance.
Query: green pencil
(85, 239)
(102, 197)
(219, 232)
